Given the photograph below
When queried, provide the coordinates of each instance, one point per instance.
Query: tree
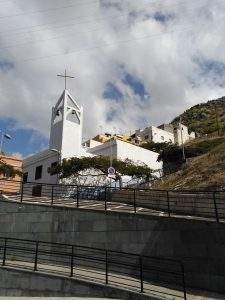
(8, 171)
(172, 153)
(75, 166)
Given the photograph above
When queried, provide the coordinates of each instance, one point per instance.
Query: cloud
(134, 62)
(17, 155)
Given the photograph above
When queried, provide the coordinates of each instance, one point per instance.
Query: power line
(88, 16)
(53, 38)
(97, 46)
(57, 37)
(46, 10)
(100, 46)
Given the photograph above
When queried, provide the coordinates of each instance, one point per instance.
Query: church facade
(66, 142)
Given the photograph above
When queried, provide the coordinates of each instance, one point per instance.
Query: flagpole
(1, 142)
(4, 135)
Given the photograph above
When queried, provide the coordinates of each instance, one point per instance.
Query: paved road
(161, 293)
(114, 279)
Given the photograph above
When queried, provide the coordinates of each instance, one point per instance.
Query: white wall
(181, 134)
(72, 137)
(161, 136)
(91, 144)
(124, 150)
(45, 158)
(138, 155)
(66, 126)
(106, 149)
(156, 135)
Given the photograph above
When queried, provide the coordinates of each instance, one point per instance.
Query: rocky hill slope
(206, 171)
(205, 166)
(205, 118)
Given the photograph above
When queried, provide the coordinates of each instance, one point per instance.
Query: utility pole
(217, 121)
(182, 141)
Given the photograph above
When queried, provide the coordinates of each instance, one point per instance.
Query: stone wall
(199, 244)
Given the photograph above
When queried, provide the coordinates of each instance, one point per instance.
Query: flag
(7, 136)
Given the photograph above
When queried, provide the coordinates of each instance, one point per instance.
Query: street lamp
(6, 136)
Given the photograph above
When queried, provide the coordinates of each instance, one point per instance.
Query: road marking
(139, 209)
(118, 206)
(90, 205)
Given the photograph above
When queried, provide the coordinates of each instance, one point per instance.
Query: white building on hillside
(165, 133)
(182, 135)
(155, 135)
(66, 141)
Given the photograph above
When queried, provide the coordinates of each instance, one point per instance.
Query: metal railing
(143, 274)
(195, 204)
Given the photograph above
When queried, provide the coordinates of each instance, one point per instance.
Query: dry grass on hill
(206, 171)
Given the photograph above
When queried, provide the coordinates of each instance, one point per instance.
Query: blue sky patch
(213, 66)
(112, 92)
(211, 70)
(24, 141)
(111, 115)
(135, 84)
(106, 5)
(6, 65)
(161, 17)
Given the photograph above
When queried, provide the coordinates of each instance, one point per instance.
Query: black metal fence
(150, 275)
(195, 204)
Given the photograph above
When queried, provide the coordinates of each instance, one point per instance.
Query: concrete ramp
(21, 283)
(198, 244)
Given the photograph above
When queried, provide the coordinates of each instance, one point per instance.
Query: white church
(66, 142)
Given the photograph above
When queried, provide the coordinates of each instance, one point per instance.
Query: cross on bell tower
(65, 76)
(66, 124)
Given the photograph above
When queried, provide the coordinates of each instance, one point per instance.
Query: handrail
(195, 204)
(141, 273)
(123, 188)
(93, 248)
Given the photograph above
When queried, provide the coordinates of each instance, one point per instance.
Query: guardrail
(143, 274)
(187, 203)
(195, 204)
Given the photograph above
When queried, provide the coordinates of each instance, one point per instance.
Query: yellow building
(10, 185)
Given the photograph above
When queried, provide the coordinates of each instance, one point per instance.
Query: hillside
(205, 166)
(205, 118)
(205, 171)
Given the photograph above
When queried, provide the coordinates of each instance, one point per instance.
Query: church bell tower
(66, 126)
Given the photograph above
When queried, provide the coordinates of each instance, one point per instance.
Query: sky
(135, 63)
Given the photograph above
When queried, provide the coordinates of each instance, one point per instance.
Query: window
(146, 137)
(38, 173)
(25, 177)
(162, 138)
(53, 165)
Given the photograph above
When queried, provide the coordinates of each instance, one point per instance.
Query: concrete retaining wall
(200, 245)
(25, 283)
